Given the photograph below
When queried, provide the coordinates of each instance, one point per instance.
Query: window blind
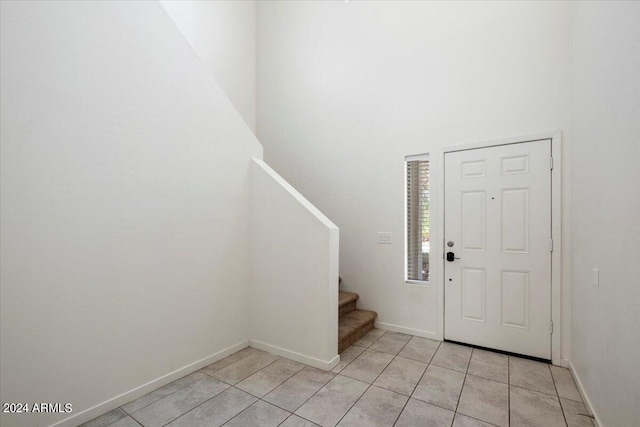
(418, 220)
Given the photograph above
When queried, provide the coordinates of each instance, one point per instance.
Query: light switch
(595, 277)
(384, 238)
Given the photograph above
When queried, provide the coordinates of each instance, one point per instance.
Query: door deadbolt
(451, 257)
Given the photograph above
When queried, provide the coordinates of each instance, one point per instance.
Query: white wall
(606, 207)
(345, 90)
(294, 264)
(223, 34)
(124, 252)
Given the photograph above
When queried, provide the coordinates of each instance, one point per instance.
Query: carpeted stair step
(353, 325)
(346, 303)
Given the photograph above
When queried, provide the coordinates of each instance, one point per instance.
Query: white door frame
(556, 228)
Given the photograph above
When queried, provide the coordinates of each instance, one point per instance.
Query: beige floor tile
(164, 391)
(401, 375)
(575, 413)
(531, 375)
(535, 409)
(333, 401)
(223, 363)
(367, 366)
(376, 408)
(260, 414)
(419, 413)
(245, 367)
(565, 385)
(370, 337)
(125, 422)
(291, 394)
(106, 419)
(217, 411)
(391, 342)
(485, 400)
(464, 421)
(484, 387)
(420, 349)
(452, 356)
(440, 387)
(182, 401)
(347, 356)
(296, 421)
(270, 377)
(490, 365)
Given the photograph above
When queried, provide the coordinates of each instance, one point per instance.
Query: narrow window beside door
(417, 173)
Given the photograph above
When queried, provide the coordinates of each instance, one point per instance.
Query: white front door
(498, 227)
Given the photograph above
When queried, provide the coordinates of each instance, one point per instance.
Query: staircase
(352, 323)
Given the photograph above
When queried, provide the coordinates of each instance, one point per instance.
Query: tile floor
(385, 379)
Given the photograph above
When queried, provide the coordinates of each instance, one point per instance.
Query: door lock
(451, 256)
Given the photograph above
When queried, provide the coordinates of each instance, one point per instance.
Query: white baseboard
(298, 357)
(585, 397)
(403, 330)
(565, 363)
(126, 397)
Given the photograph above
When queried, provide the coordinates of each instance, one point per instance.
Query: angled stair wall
(127, 216)
(294, 265)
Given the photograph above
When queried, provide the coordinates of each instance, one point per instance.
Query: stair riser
(347, 308)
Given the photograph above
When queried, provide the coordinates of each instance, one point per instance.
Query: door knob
(451, 256)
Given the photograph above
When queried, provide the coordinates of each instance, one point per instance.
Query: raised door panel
(514, 222)
(473, 294)
(473, 217)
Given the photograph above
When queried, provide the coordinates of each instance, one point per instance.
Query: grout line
(434, 353)
(197, 406)
(233, 363)
(463, 383)
(278, 385)
(372, 342)
(477, 419)
(425, 371)
(402, 410)
(309, 398)
(325, 386)
(354, 403)
(466, 373)
(300, 416)
(283, 421)
(558, 395)
(537, 391)
(370, 384)
(229, 420)
(291, 414)
(238, 382)
(414, 387)
(230, 386)
(435, 404)
(509, 388)
(155, 401)
(363, 350)
(383, 369)
(117, 421)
